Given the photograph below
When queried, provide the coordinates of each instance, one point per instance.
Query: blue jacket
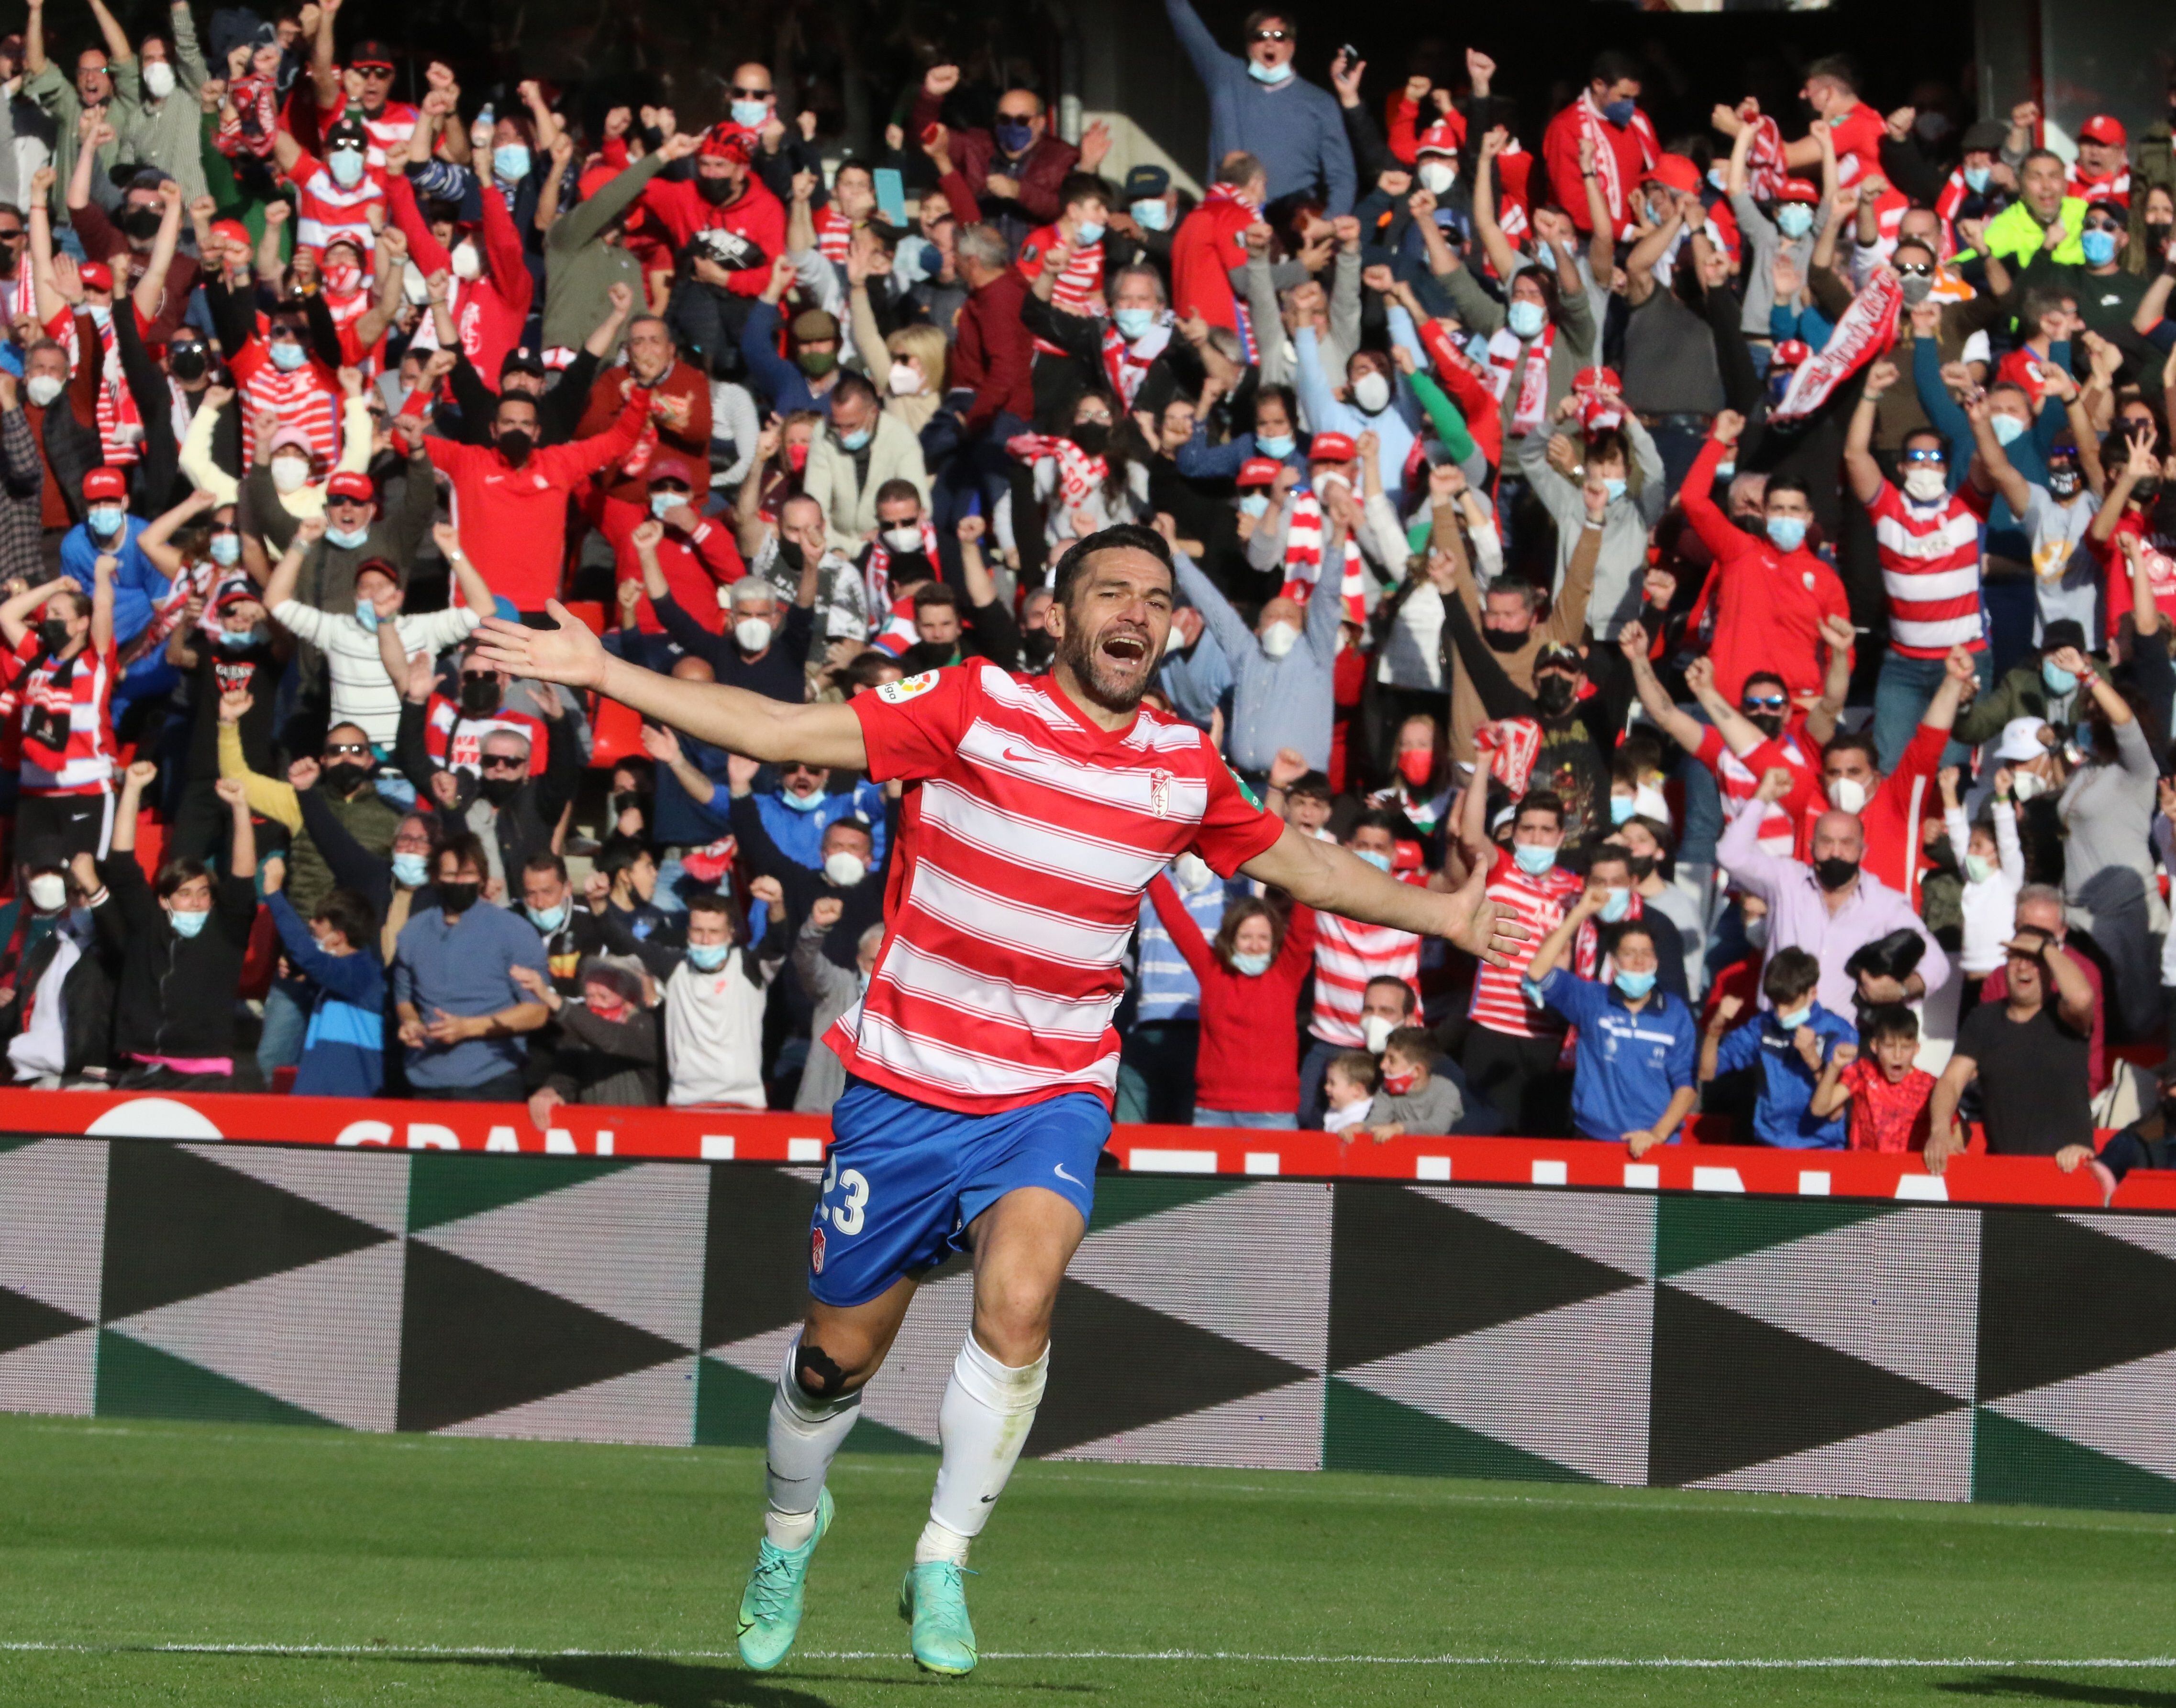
(1780, 1115)
(1629, 1064)
(1167, 989)
(136, 583)
(781, 380)
(800, 835)
(344, 1049)
(1295, 128)
(1394, 428)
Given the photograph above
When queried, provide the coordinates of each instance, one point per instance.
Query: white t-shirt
(363, 693)
(713, 1035)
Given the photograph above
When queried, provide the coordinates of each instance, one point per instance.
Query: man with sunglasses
(2109, 293)
(387, 121)
(780, 151)
(106, 79)
(1016, 167)
(1257, 105)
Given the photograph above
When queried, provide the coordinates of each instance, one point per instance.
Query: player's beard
(1104, 680)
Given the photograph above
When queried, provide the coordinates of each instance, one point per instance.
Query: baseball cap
(370, 51)
(1678, 173)
(727, 141)
(1563, 657)
(232, 231)
(671, 469)
(2063, 631)
(2104, 127)
(1262, 471)
(96, 275)
(1790, 353)
(105, 483)
(523, 362)
(351, 483)
(1332, 448)
(1144, 183)
(289, 437)
(814, 326)
(1985, 136)
(1799, 190)
(1440, 138)
(1596, 379)
(347, 133)
(2021, 740)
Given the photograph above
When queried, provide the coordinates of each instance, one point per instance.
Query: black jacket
(525, 824)
(177, 995)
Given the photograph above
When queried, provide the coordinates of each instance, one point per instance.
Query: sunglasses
(739, 93)
(1925, 456)
(339, 750)
(2102, 225)
(503, 762)
(1916, 270)
(1271, 35)
(1762, 702)
(1015, 118)
(381, 74)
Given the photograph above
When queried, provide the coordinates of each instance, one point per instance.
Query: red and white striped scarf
(1868, 327)
(1303, 534)
(120, 424)
(1127, 365)
(898, 633)
(1765, 168)
(1533, 401)
(1616, 194)
(1080, 475)
(876, 573)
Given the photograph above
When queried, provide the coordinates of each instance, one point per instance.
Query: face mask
(2006, 428)
(1619, 905)
(1253, 966)
(906, 538)
(499, 788)
(1151, 216)
(855, 440)
(1133, 323)
(468, 265)
(1847, 794)
(289, 474)
(1978, 869)
(1620, 808)
(1416, 765)
(2098, 245)
(1532, 859)
(1191, 873)
(226, 549)
(2028, 785)
(1756, 932)
(1014, 136)
(1375, 857)
(708, 957)
(187, 924)
(1269, 73)
(1917, 288)
(515, 444)
(1093, 437)
(1635, 985)
(2157, 237)
(287, 356)
(104, 519)
(1787, 533)
(1614, 487)
(815, 363)
(845, 870)
(1833, 873)
(48, 890)
(1089, 231)
(510, 163)
(1372, 392)
(479, 695)
(803, 804)
(1279, 638)
(1977, 178)
(1723, 472)
(44, 388)
(140, 223)
(753, 633)
(663, 504)
(1375, 1032)
(2064, 483)
(347, 539)
(906, 379)
(345, 777)
(410, 870)
(1526, 318)
(1554, 694)
(548, 921)
(1277, 445)
(1437, 176)
(1927, 486)
(750, 115)
(1255, 505)
(242, 640)
(53, 634)
(2059, 680)
(1796, 1018)
(1794, 220)
(158, 79)
(458, 898)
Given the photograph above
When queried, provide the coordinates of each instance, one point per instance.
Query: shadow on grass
(2010, 1685)
(651, 1682)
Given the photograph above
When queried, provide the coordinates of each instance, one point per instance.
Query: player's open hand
(569, 653)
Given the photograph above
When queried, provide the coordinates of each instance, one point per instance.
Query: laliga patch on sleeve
(907, 688)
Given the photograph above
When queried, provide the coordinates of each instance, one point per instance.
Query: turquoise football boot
(770, 1606)
(933, 1600)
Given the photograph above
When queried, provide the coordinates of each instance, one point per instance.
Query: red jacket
(1249, 1055)
(488, 310)
(514, 521)
(1476, 400)
(696, 565)
(628, 480)
(756, 215)
(1635, 146)
(1206, 247)
(993, 353)
(1039, 172)
(1769, 603)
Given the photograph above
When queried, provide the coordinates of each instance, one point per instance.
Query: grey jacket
(1621, 570)
(1572, 350)
(1274, 343)
(1285, 702)
(833, 990)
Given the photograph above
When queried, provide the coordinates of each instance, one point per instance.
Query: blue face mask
(105, 519)
(1277, 445)
(1379, 861)
(1013, 137)
(188, 924)
(750, 115)
(242, 642)
(1635, 985)
(346, 539)
(288, 356)
(1794, 218)
(1614, 487)
(803, 804)
(1786, 533)
(1618, 112)
(1534, 860)
(855, 440)
(509, 163)
(1151, 216)
(2059, 680)
(550, 920)
(2007, 428)
(1268, 73)
(708, 957)
(1619, 905)
(1620, 808)
(1526, 318)
(1253, 965)
(410, 869)
(366, 613)
(663, 504)
(1133, 322)
(1255, 505)
(1796, 1018)
(1088, 231)
(227, 550)
(1977, 179)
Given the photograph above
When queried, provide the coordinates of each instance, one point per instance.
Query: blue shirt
(1780, 1113)
(1167, 987)
(463, 967)
(1198, 680)
(800, 835)
(136, 583)
(344, 1050)
(1629, 1064)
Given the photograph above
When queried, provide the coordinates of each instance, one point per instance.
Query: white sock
(806, 1434)
(982, 1425)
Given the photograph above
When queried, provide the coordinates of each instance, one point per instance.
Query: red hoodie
(1249, 1057)
(488, 310)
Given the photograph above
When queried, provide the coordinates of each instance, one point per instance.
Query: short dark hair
(713, 902)
(1934, 434)
(934, 593)
(1262, 16)
(1403, 989)
(1359, 1067)
(1539, 801)
(507, 397)
(1763, 676)
(179, 871)
(1414, 1043)
(1791, 974)
(1787, 483)
(1838, 67)
(544, 860)
(1313, 784)
(1377, 818)
(865, 670)
(1890, 1020)
(853, 384)
(467, 849)
(1613, 65)
(1609, 854)
(351, 914)
(1121, 536)
(1084, 187)
(1611, 938)
(1858, 741)
(892, 491)
(619, 854)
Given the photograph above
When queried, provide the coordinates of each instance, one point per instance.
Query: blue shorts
(905, 1180)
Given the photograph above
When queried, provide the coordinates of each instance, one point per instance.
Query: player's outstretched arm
(1332, 879)
(749, 724)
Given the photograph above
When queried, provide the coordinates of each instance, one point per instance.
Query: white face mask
(1847, 794)
(906, 538)
(906, 379)
(1926, 485)
(753, 633)
(844, 869)
(1437, 176)
(44, 388)
(467, 263)
(289, 474)
(48, 890)
(1279, 638)
(2028, 785)
(1375, 1031)
(1371, 393)
(158, 79)
(1191, 873)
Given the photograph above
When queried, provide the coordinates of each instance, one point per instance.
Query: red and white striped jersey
(65, 717)
(388, 131)
(324, 211)
(1539, 904)
(308, 398)
(120, 426)
(1930, 570)
(1739, 782)
(1027, 836)
(1078, 286)
(2115, 188)
(835, 234)
(1347, 956)
(455, 741)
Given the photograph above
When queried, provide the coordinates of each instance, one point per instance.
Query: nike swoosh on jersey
(1058, 1169)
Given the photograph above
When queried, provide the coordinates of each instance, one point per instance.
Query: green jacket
(54, 90)
(578, 269)
(2015, 235)
(368, 817)
(164, 133)
(2020, 694)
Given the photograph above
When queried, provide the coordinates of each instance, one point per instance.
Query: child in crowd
(1414, 1103)
(1791, 1044)
(1887, 1095)
(1348, 1088)
(1992, 860)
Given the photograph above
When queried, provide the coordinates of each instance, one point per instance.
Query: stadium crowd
(1757, 547)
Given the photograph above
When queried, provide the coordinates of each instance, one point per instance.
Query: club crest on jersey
(1159, 793)
(905, 689)
(816, 1251)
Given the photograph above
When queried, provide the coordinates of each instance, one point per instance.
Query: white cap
(2021, 740)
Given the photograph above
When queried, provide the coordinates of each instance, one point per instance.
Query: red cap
(727, 142)
(671, 469)
(1678, 173)
(105, 483)
(2102, 128)
(233, 232)
(1260, 471)
(1596, 379)
(351, 483)
(1790, 353)
(1332, 448)
(1799, 190)
(1441, 137)
(96, 275)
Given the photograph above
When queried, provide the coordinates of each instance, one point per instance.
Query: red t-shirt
(1884, 1116)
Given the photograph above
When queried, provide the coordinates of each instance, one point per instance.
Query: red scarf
(1303, 534)
(1868, 328)
(1533, 398)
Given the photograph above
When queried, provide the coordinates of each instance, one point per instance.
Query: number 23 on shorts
(846, 1216)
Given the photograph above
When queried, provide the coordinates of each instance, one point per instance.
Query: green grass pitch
(325, 1568)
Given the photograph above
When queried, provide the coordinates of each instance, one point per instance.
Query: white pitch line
(1629, 1662)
